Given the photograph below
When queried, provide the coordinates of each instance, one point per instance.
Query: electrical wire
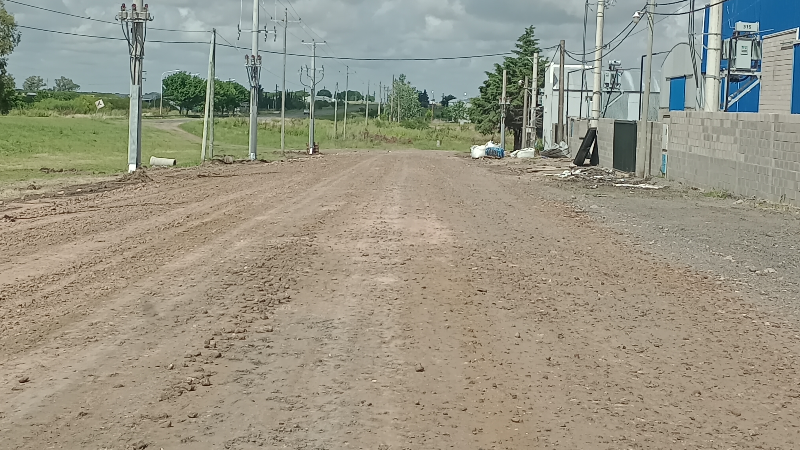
(692, 11)
(99, 20)
(109, 37)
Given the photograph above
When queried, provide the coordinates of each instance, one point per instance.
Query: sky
(351, 28)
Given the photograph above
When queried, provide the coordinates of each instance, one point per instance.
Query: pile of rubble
(605, 176)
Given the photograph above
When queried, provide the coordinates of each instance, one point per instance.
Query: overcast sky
(352, 28)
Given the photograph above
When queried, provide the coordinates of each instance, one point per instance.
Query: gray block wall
(653, 141)
(605, 140)
(753, 155)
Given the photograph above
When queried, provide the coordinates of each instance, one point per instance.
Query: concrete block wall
(605, 137)
(605, 140)
(753, 155)
(653, 140)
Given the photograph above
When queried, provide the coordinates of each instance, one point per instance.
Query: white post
(598, 65)
(255, 81)
(712, 81)
(647, 85)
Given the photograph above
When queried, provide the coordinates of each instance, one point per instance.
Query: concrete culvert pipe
(162, 162)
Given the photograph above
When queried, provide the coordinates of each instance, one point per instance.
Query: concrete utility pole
(712, 81)
(254, 72)
(313, 96)
(346, 100)
(647, 84)
(380, 97)
(208, 122)
(535, 97)
(525, 113)
(503, 112)
(598, 65)
(134, 22)
(560, 131)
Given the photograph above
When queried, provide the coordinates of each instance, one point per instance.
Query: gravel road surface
(375, 300)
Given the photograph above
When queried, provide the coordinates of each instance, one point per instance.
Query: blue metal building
(773, 16)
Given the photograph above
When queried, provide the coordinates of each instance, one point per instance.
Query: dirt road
(375, 300)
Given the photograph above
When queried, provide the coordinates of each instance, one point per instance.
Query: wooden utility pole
(208, 123)
(336, 113)
(560, 130)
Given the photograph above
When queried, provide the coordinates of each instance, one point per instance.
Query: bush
(416, 124)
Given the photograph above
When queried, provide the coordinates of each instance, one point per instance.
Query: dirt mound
(140, 176)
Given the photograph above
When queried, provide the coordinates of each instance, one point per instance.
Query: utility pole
(283, 94)
(503, 112)
(651, 7)
(336, 112)
(313, 88)
(208, 122)
(433, 111)
(366, 101)
(392, 96)
(560, 131)
(133, 24)
(598, 65)
(712, 81)
(255, 83)
(534, 99)
(525, 114)
(346, 100)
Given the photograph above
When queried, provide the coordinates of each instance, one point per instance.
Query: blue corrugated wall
(773, 15)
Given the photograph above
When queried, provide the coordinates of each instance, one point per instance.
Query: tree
(33, 83)
(229, 95)
(485, 112)
(352, 96)
(186, 91)
(407, 97)
(424, 100)
(65, 84)
(324, 93)
(455, 112)
(446, 99)
(9, 39)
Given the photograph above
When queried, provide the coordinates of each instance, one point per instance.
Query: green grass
(81, 146)
(718, 193)
(379, 135)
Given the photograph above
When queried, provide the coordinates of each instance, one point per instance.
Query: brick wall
(753, 155)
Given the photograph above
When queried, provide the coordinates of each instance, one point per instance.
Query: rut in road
(376, 300)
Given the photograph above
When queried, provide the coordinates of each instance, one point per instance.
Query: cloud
(352, 28)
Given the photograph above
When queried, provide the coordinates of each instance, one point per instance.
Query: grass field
(86, 146)
(81, 146)
(382, 135)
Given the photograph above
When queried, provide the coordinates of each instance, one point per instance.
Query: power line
(108, 37)
(100, 20)
(691, 11)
